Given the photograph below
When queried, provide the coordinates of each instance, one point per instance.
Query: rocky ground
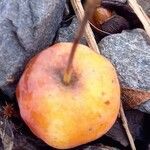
(27, 27)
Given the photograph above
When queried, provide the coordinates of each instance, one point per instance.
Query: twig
(92, 44)
(145, 20)
(77, 6)
(125, 125)
(90, 7)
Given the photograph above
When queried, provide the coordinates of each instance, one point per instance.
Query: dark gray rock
(97, 147)
(135, 122)
(12, 138)
(145, 107)
(130, 54)
(67, 34)
(26, 27)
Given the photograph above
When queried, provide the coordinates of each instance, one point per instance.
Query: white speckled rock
(130, 54)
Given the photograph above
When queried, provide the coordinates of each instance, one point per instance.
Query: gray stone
(12, 139)
(130, 54)
(145, 107)
(97, 147)
(145, 5)
(135, 122)
(26, 27)
(6, 135)
(67, 34)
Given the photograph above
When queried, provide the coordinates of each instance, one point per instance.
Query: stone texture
(11, 138)
(26, 27)
(67, 34)
(97, 147)
(145, 107)
(145, 5)
(130, 54)
(135, 122)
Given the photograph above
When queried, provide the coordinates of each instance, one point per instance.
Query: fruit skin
(67, 116)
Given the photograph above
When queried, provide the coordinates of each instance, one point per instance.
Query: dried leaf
(133, 97)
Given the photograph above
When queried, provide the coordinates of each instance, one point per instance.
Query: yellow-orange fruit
(65, 116)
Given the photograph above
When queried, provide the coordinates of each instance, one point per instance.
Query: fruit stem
(90, 5)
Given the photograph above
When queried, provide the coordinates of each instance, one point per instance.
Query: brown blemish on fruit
(100, 116)
(90, 129)
(107, 102)
(103, 93)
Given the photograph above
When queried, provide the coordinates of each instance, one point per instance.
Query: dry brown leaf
(133, 97)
